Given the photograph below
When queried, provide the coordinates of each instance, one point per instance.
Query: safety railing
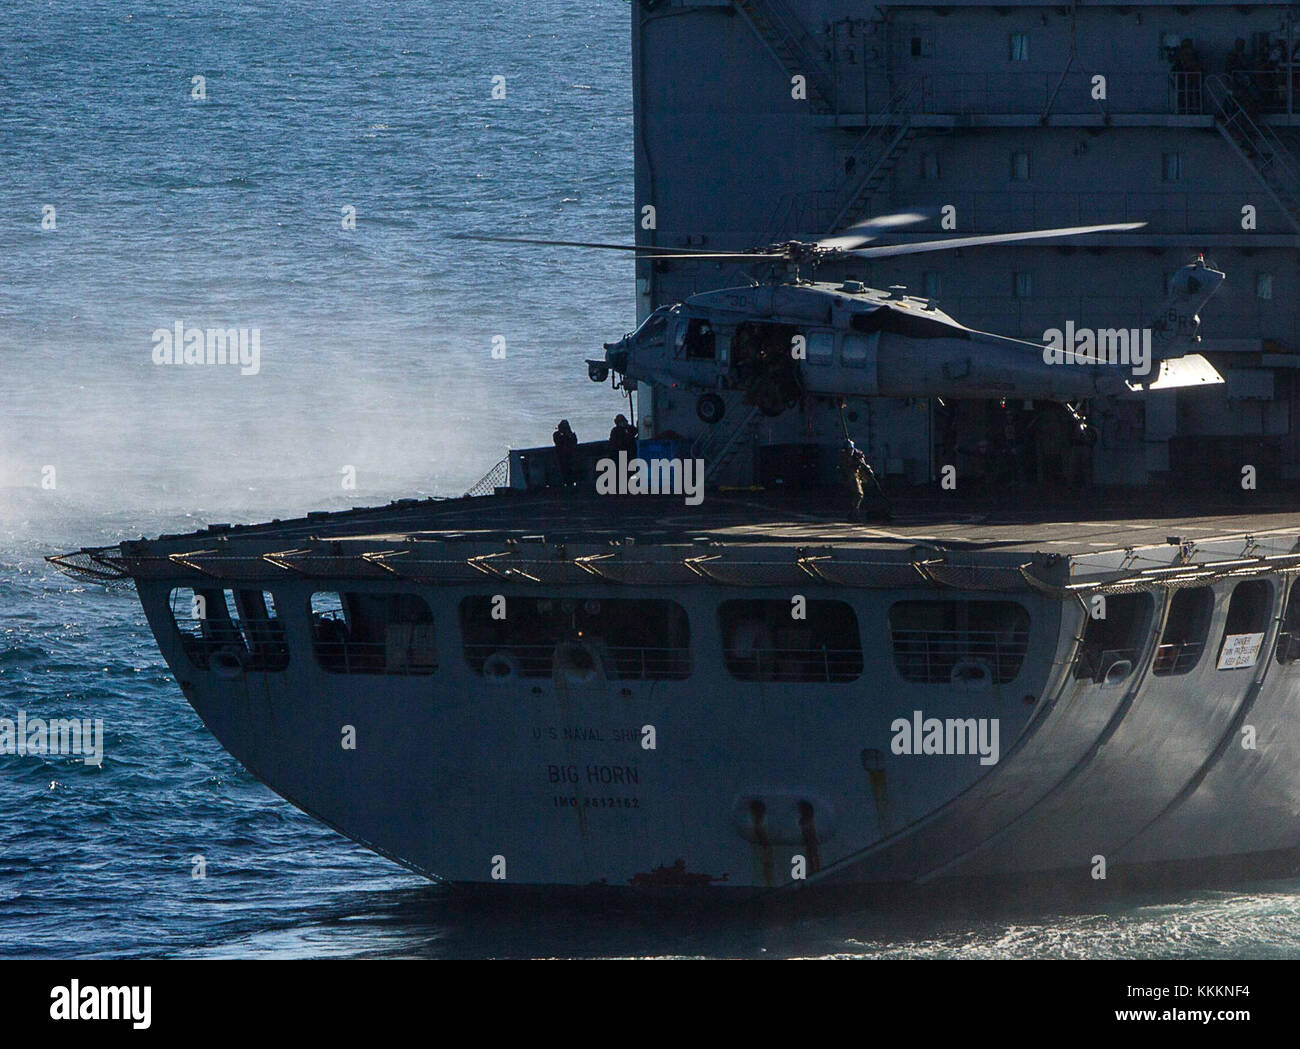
(931, 656)
(1177, 658)
(1273, 89)
(407, 649)
(260, 646)
(619, 662)
(795, 664)
(1288, 647)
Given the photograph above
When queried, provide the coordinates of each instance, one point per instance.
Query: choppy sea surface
(376, 362)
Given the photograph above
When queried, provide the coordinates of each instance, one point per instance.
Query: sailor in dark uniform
(622, 438)
(566, 450)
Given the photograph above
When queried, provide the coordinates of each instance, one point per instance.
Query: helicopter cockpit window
(700, 342)
(821, 347)
(653, 327)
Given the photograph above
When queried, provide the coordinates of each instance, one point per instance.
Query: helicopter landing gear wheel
(710, 408)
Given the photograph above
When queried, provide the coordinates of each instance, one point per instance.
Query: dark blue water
(375, 355)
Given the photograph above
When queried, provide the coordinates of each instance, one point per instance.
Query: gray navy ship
(876, 587)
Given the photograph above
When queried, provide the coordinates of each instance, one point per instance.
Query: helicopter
(783, 336)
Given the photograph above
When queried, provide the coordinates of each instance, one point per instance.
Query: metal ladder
(1259, 146)
(884, 142)
(721, 443)
(791, 45)
(875, 153)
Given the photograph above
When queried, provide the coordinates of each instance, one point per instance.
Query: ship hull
(712, 782)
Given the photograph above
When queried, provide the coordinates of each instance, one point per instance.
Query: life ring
(1117, 672)
(578, 662)
(501, 667)
(972, 674)
(227, 662)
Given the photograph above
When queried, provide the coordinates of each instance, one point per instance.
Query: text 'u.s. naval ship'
(867, 594)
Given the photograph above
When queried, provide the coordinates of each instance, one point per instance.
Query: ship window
(206, 623)
(1022, 285)
(1288, 638)
(1263, 286)
(1247, 621)
(1186, 627)
(263, 631)
(930, 285)
(1020, 166)
(1171, 167)
(762, 641)
(1019, 47)
(1112, 636)
(930, 166)
(821, 347)
(939, 642)
(372, 633)
(625, 638)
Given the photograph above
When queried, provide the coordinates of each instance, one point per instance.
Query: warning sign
(1240, 650)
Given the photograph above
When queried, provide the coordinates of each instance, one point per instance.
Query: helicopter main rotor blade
(646, 250)
(889, 250)
(768, 255)
(868, 229)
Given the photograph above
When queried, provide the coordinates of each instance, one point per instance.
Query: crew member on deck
(859, 478)
(566, 451)
(622, 438)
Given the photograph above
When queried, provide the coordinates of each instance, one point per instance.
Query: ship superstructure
(761, 120)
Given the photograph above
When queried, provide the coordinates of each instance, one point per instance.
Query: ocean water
(375, 362)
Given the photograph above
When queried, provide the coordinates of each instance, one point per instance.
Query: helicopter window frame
(693, 342)
(655, 325)
(868, 341)
(821, 348)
